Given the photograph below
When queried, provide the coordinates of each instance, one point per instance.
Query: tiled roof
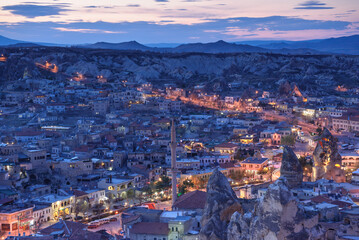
(151, 228)
(110, 138)
(82, 148)
(320, 199)
(227, 165)
(255, 160)
(70, 226)
(354, 191)
(6, 200)
(79, 193)
(28, 133)
(341, 204)
(227, 145)
(191, 200)
(130, 219)
(74, 230)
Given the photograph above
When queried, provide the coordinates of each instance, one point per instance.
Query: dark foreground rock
(221, 203)
(327, 160)
(291, 168)
(277, 216)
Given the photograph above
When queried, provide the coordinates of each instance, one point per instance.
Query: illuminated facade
(16, 219)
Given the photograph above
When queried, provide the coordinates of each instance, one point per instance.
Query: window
(14, 226)
(5, 227)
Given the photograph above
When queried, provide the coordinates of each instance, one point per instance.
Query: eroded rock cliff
(277, 216)
(221, 203)
(291, 168)
(327, 160)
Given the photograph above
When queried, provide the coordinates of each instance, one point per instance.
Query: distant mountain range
(341, 45)
(4, 41)
(132, 45)
(8, 42)
(348, 45)
(215, 47)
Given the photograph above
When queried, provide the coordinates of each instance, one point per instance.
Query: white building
(116, 187)
(350, 160)
(61, 204)
(42, 213)
(355, 177)
(188, 164)
(346, 123)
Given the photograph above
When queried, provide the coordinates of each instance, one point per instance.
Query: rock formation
(261, 68)
(291, 168)
(285, 89)
(221, 203)
(326, 158)
(277, 216)
(296, 92)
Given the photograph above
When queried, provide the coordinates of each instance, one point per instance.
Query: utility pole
(173, 145)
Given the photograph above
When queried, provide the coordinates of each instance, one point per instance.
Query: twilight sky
(176, 21)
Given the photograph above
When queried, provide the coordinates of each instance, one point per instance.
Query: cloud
(314, 8)
(230, 29)
(85, 30)
(133, 5)
(34, 10)
(313, 5)
(161, 0)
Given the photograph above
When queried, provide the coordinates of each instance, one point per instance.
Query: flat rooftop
(15, 207)
(51, 198)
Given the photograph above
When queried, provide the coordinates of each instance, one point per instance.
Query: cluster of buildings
(80, 148)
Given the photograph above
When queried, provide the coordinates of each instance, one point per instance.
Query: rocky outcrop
(238, 226)
(277, 216)
(221, 203)
(285, 88)
(291, 168)
(309, 73)
(296, 92)
(326, 158)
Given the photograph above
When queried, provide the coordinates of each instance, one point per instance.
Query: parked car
(93, 225)
(113, 219)
(78, 218)
(104, 221)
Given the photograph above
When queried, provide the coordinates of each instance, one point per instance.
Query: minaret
(173, 145)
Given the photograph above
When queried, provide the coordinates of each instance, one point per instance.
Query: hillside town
(86, 157)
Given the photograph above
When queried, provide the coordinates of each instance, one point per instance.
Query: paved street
(111, 227)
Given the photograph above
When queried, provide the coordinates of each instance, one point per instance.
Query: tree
(163, 184)
(38, 224)
(262, 171)
(81, 206)
(97, 208)
(148, 189)
(131, 194)
(237, 175)
(183, 188)
(288, 140)
(319, 131)
(200, 182)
